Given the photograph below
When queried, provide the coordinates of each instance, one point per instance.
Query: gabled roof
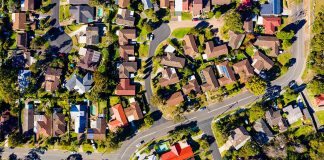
(79, 115)
(147, 4)
(190, 47)
(120, 117)
(227, 72)
(52, 79)
(269, 42)
(123, 3)
(92, 34)
(179, 151)
(90, 61)
(261, 62)
(273, 7)
(319, 100)
(235, 39)
(21, 40)
(97, 130)
(19, 21)
(42, 125)
(169, 76)
(248, 26)
(213, 51)
(82, 13)
(81, 85)
(264, 134)
(126, 51)
(221, 2)
(133, 112)
(244, 69)
(59, 125)
(274, 118)
(125, 88)
(211, 82)
(270, 24)
(239, 137)
(28, 5)
(197, 7)
(124, 35)
(293, 114)
(191, 86)
(171, 60)
(164, 4)
(76, 2)
(125, 17)
(126, 68)
(175, 99)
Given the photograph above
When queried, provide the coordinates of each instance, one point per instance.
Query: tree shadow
(156, 115)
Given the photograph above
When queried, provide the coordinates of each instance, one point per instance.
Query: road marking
(229, 104)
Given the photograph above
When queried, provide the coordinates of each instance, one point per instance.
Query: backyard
(180, 32)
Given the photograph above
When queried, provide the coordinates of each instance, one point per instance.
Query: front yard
(320, 116)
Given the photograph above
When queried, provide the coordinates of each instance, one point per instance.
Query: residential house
(52, 79)
(235, 40)
(270, 23)
(147, 4)
(59, 124)
(226, 72)
(209, 79)
(244, 70)
(190, 47)
(197, 8)
(273, 7)
(23, 79)
(169, 49)
(261, 62)
(165, 3)
(182, 6)
(248, 26)
(274, 119)
(221, 2)
(133, 112)
(42, 126)
(28, 5)
(91, 36)
(22, 40)
(125, 17)
(97, 130)
(29, 59)
(119, 118)
(293, 114)
(127, 69)
(178, 151)
(319, 100)
(213, 51)
(90, 61)
(19, 21)
(239, 137)
(175, 99)
(263, 132)
(169, 76)
(82, 13)
(77, 2)
(191, 86)
(269, 42)
(28, 117)
(125, 88)
(123, 3)
(127, 52)
(125, 36)
(171, 60)
(80, 84)
(80, 117)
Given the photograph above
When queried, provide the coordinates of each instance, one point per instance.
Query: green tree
(285, 35)
(316, 86)
(148, 120)
(233, 22)
(256, 85)
(255, 112)
(284, 58)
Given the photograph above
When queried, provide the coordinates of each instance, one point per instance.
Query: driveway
(216, 23)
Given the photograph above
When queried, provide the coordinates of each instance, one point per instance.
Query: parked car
(139, 144)
(202, 108)
(88, 152)
(150, 36)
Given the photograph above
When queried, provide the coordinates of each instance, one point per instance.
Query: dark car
(88, 152)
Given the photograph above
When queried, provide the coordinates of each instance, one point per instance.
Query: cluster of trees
(286, 38)
(316, 61)
(233, 22)
(256, 85)
(316, 86)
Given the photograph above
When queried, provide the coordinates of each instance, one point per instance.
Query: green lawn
(297, 124)
(87, 147)
(320, 116)
(186, 16)
(143, 50)
(303, 130)
(64, 12)
(180, 32)
(220, 138)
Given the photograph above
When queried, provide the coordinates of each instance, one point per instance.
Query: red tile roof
(175, 99)
(134, 112)
(179, 151)
(270, 24)
(125, 88)
(120, 118)
(320, 100)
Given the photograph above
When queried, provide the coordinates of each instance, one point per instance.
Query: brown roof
(248, 26)
(261, 62)
(244, 69)
(170, 59)
(98, 129)
(92, 34)
(123, 3)
(43, 125)
(270, 42)
(239, 137)
(197, 7)
(125, 18)
(126, 68)
(125, 88)
(59, 125)
(191, 86)
(22, 40)
(90, 61)
(227, 72)
(221, 2)
(235, 39)
(52, 79)
(126, 51)
(133, 112)
(274, 118)
(19, 21)
(164, 3)
(175, 99)
(190, 47)
(125, 35)
(211, 82)
(29, 5)
(169, 76)
(214, 52)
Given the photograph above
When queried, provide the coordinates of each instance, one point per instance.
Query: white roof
(169, 49)
(178, 6)
(260, 20)
(82, 51)
(204, 56)
(83, 39)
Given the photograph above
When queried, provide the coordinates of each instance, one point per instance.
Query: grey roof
(264, 134)
(83, 84)
(78, 1)
(274, 7)
(82, 13)
(147, 4)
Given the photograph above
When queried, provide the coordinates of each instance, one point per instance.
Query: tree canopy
(284, 58)
(256, 85)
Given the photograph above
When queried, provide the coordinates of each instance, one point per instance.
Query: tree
(286, 44)
(318, 24)
(233, 22)
(316, 86)
(255, 112)
(289, 96)
(8, 79)
(285, 35)
(284, 58)
(256, 85)
(148, 120)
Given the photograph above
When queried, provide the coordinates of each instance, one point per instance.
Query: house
(90, 61)
(164, 3)
(42, 126)
(133, 112)
(125, 17)
(239, 137)
(293, 114)
(97, 130)
(29, 59)
(28, 117)
(197, 8)
(235, 40)
(127, 52)
(8, 123)
(19, 21)
(269, 42)
(28, 5)
(226, 72)
(52, 79)
(179, 151)
(79, 84)
(221, 2)
(213, 51)
(23, 79)
(169, 76)
(261, 62)
(123, 3)
(273, 7)
(171, 60)
(92, 35)
(82, 13)
(263, 132)
(191, 86)
(209, 79)
(169, 49)
(125, 36)
(248, 26)
(125, 88)
(147, 4)
(270, 24)
(119, 118)
(59, 124)
(274, 119)
(244, 70)
(175, 99)
(190, 47)
(319, 100)
(80, 117)
(22, 40)
(127, 69)
(77, 2)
